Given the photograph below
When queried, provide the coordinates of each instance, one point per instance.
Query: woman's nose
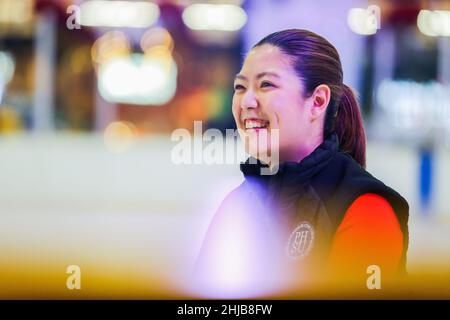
(249, 101)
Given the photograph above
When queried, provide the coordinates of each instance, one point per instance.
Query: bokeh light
(132, 14)
(119, 136)
(220, 17)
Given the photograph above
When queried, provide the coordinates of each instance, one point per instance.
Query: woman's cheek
(235, 111)
(284, 138)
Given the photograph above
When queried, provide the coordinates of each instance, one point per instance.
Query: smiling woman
(266, 93)
(320, 212)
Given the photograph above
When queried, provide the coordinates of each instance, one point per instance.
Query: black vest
(294, 213)
(313, 196)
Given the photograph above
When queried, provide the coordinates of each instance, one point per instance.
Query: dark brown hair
(316, 61)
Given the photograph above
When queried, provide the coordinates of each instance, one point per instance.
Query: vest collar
(302, 170)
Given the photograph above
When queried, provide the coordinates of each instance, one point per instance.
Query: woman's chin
(261, 154)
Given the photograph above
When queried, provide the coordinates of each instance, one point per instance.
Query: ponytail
(349, 127)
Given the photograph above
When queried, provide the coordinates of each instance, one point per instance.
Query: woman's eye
(266, 84)
(238, 87)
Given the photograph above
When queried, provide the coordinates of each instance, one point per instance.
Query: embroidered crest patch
(300, 241)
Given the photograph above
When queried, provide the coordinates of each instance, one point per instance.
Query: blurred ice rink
(134, 221)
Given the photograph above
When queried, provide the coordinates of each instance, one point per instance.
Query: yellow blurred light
(363, 21)
(434, 23)
(112, 44)
(9, 120)
(119, 136)
(160, 54)
(132, 14)
(157, 38)
(16, 12)
(217, 17)
(79, 60)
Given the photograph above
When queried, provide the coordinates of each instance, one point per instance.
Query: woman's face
(268, 96)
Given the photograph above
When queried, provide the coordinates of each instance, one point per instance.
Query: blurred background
(91, 91)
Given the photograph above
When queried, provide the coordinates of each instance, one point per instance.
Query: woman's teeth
(252, 124)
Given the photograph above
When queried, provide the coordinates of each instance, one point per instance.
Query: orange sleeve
(369, 234)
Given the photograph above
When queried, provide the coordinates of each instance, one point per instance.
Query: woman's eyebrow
(241, 77)
(258, 76)
(267, 73)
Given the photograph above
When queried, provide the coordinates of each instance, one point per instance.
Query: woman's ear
(320, 100)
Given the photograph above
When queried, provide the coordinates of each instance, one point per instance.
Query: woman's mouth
(256, 124)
